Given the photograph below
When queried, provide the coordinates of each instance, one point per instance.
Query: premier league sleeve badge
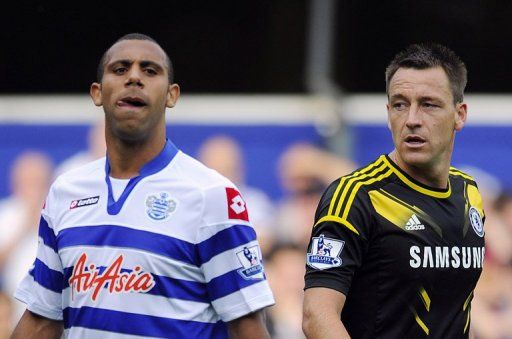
(252, 267)
(325, 253)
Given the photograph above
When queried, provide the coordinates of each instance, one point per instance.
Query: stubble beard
(127, 133)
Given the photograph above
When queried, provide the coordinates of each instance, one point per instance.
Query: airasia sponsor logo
(87, 277)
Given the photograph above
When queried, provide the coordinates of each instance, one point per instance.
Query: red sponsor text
(83, 280)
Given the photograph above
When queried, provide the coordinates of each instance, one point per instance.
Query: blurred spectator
(491, 311)
(504, 208)
(285, 273)
(305, 172)
(224, 155)
(96, 149)
(19, 219)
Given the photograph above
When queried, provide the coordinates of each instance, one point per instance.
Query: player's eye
(429, 105)
(151, 71)
(399, 106)
(120, 70)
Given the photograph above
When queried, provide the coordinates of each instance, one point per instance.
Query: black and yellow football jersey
(406, 256)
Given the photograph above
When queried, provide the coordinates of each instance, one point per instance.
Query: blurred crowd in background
(283, 228)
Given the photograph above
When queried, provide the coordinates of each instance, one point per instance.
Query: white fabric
(200, 209)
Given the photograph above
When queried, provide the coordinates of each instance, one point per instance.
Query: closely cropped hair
(424, 56)
(133, 36)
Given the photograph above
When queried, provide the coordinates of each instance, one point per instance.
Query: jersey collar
(416, 185)
(156, 165)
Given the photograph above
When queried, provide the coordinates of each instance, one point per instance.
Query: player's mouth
(131, 102)
(414, 141)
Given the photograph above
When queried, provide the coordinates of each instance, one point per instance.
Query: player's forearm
(34, 326)
(251, 326)
(325, 325)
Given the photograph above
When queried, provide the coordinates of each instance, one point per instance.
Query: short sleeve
(41, 288)
(339, 239)
(230, 255)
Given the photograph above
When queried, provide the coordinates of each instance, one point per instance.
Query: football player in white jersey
(146, 242)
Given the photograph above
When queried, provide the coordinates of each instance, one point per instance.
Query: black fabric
(393, 275)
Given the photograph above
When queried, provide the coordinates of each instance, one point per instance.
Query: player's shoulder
(470, 186)
(198, 174)
(83, 178)
(360, 181)
(458, 174)
(346, 200)
(223, 203)
(85, 172)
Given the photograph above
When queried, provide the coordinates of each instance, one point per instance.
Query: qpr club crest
(252, 268)
(476, 221)
(159, 207)
(325, 253)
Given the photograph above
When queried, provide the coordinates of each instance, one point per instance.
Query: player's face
(423, 117)
(135, 90)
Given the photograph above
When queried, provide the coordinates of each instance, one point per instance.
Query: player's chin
(416, 158)
(131, 132)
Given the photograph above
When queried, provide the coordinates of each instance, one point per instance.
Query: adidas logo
(414, 224)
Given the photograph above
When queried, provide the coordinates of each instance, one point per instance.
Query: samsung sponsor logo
(445, 257)
(84, 202)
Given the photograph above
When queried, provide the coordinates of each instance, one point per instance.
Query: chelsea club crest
(476, 221)
(159, 207)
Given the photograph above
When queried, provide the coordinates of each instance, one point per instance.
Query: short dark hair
(429, 55)
(134, 36)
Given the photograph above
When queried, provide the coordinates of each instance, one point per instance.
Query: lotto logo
(236, 205)
(84, 202)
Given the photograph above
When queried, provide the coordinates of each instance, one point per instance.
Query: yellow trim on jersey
(466, 303)
(421, 323)
(403, 206)
(349, 177)
(467, 320)
(425, 298)
(475, 199)
(390, 196)
(349, 189)
(345, 183)
(343, 222)
(389, 209)
(417, 187)
(356, 188)
(458, 172)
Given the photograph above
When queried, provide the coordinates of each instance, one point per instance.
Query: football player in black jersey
(405, 233)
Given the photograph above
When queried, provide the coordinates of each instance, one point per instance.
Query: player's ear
(389, 123)
(95, 93)
(461, 114)
(173, 93)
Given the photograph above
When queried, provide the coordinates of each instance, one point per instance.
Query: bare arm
(251, 326)
(32, 325)
(321, 314)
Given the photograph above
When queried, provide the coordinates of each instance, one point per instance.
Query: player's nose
(414, 116)
(134, 77)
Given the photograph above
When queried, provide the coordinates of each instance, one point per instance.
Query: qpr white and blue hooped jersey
(175, 256)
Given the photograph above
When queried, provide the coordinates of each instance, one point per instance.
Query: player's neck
(435, 176)
(126, 159)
